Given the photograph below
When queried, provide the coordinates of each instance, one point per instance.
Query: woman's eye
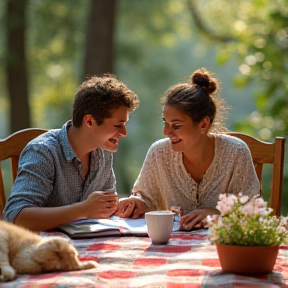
(117, 126)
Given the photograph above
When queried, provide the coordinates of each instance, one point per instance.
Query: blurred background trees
(49, 46)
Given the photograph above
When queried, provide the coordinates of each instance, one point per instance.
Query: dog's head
(55, 254)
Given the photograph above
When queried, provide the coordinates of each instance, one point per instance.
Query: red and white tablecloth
(187, 261)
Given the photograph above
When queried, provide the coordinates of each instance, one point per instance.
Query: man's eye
(176, 126)
(117, 126)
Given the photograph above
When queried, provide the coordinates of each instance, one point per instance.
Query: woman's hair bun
(205, 79)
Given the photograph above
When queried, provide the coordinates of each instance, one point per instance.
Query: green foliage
(55, 40)
(156, 46)
(260, 31)
(240, 81)
(222, 58)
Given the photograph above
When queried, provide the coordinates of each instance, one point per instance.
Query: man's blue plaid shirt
(49, 174)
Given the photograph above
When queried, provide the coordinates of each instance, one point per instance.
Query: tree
(257, 33)
(99, 48)
(16, 64)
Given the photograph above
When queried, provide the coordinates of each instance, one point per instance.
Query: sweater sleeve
(244, 178)
(146, 185)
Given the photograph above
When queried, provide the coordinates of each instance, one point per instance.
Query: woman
(196, 162)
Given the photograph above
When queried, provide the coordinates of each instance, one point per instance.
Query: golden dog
(25, 252)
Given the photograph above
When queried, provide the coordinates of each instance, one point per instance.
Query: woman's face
(183, 132)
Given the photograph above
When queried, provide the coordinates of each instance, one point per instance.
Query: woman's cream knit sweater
(163, 180)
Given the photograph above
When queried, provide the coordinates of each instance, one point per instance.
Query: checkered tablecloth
(187, 261)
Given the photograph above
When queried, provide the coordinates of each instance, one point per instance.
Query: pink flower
(248, 208)
(226, 203)
(243, 199)
(260, 203)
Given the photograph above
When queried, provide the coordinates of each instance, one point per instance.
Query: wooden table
(187, 261)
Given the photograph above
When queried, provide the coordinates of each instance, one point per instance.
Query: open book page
(131, 226)
(107, 227)
(128, 226)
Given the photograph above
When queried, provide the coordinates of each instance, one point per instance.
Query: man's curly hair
(98, 96)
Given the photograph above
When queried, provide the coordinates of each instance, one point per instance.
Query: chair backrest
(267, 152)
(11, 147)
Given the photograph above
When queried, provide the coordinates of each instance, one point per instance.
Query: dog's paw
(7, 273)
(89, 265)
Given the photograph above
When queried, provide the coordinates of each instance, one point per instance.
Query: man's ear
(88, 120)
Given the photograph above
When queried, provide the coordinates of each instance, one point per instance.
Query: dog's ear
(54, 254)
(46, 249)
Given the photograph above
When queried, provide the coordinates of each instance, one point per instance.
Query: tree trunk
(99, 53)
(16, 69)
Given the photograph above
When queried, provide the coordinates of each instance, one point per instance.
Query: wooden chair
(11, 147)
(266, 152)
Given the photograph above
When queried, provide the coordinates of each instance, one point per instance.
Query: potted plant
(246, 233)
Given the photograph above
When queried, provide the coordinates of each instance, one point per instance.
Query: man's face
(108, 134)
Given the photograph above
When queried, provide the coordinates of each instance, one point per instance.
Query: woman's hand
(197, 218)
(100, 204)
(131, 208)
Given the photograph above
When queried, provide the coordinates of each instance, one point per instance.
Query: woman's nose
(166, 130)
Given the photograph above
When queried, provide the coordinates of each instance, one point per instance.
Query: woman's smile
(175, 140)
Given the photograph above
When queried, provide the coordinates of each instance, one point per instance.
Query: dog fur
(25, 252)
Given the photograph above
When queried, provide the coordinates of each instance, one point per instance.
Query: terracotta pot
(248, 260)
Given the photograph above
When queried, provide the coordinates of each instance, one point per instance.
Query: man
(67, 174)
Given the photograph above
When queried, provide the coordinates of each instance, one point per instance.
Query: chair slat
(268, 153)
(11, 147)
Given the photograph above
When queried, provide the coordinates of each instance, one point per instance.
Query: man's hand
(197, 218)
(131, 208)
(100, 204)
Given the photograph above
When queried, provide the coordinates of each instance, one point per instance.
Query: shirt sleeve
(34, 181)
(108, 170)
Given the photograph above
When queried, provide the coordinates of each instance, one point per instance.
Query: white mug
(159, 226)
